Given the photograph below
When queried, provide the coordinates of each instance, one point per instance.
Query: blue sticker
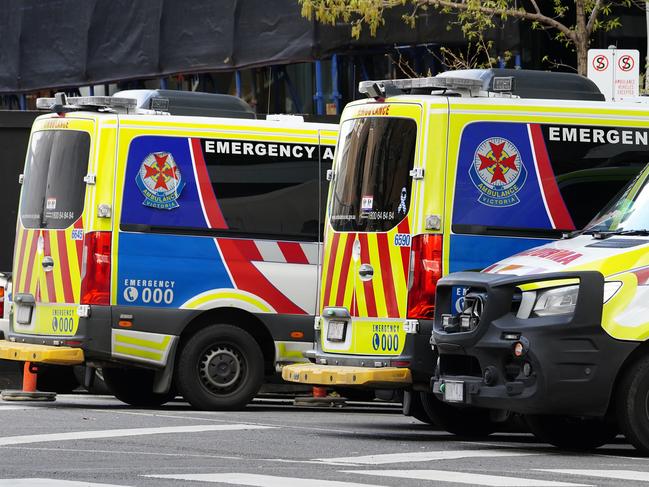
(160, 181)
(498, 172)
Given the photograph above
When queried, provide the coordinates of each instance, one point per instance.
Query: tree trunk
(582, 57)
(581, 38)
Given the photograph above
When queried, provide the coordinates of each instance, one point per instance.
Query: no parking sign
(616, 72)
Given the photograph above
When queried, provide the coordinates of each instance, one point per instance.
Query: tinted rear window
(259, 188)
(372, 182)
(53, 190)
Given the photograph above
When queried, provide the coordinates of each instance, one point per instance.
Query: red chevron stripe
(19, 257)
(368, 287)
(330, 269)
(388, 278)
(293, 252)
(30, 260)
(344, 269)
(49, 276)
(65, 267)
(404, 227)
(213, 212)
(248, 278)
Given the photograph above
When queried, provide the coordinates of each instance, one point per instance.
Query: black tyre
(134, 386)
(220, 368)
(56, 378)
(572, 433)
(632, 405)
(461, 421)
(412, 406)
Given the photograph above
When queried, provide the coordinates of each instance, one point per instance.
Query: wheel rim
(221, 368)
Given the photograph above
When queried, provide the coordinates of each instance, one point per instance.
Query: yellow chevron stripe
(377, 280)
(400, 280)
(24, 281)
(325, 267)
(73, 262)
(335, 283)
(58, 268)
(349, 295)
(18, 252)
(140, 342)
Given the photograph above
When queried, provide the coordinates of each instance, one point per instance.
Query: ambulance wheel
(572, 433)
(134, 386)
(412, 406)
(220, 368)
(461, 421)
(632, 405)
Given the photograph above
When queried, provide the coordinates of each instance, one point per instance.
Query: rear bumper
(570, 363)
(46, 354)
(347, 376)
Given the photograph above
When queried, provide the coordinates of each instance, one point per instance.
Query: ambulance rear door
(50, 229)
(367, 242)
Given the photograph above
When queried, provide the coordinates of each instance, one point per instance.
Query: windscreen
(372, 175)
(629, 212)
(53, 189)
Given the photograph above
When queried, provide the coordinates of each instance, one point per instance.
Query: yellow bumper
(29, 352)
(347, 376)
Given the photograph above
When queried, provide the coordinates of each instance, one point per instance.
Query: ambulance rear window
(53, 189)
(372, 181)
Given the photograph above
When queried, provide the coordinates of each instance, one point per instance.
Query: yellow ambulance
(444, 174)
(170, 239)
(557, 333)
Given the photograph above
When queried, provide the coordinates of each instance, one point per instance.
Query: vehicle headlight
(556, 301)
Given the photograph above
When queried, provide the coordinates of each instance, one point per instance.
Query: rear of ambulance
(61, 262)
(380, 265)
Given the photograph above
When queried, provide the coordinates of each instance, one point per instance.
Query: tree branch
(593, 17)
(519, 14)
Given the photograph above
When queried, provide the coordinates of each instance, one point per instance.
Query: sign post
(616, 72)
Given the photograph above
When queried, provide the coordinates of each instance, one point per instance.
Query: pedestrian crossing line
(120, 433)
(419, 456)
(464, 478)
(603, 474)
(257, 480)
(36, 482)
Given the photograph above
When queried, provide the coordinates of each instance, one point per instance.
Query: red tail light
(95, 274)
(425, 271)
(2, 301)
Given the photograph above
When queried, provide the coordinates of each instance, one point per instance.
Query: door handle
(366, 272)
(47, 263)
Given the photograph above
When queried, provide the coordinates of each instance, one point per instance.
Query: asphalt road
(97, 441)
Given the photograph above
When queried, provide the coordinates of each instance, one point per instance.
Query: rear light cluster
(2, 301)
(95, 274)
(425, 271)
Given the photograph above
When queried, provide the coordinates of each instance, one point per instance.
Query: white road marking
(603, 474)
(51, 483)
(124, 452)
(119, 433)
(464, 478)
(12, 408)
(421, 456)
(256, 480)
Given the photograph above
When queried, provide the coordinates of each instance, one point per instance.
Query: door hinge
(90, 179)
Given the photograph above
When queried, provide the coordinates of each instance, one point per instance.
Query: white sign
(616, 72)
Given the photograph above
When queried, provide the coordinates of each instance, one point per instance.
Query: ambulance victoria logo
(498, 172)
(160, 181)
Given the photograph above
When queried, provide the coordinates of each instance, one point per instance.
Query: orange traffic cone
(320, 398)
(29, 392)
